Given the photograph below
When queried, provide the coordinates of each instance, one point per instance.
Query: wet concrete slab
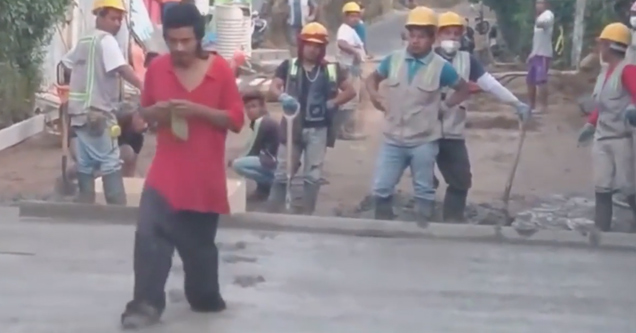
(76, 278)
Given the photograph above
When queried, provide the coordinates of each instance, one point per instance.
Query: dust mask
(449, 46)
(632, 22)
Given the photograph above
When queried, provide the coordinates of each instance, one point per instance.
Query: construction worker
(96, 64)
(315, 88)
(416, 78)
(351, 54)
(612, 150)
(540, 57)
(452, 160)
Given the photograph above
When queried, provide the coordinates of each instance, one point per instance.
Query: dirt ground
(551, 163)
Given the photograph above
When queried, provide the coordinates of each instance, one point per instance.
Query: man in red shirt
(609, 126)
(193, 97)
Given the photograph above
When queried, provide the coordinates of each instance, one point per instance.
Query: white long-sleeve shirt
(542, 38)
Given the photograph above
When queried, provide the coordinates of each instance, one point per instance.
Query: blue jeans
(250, 167)
(393, 160)
(96, 153)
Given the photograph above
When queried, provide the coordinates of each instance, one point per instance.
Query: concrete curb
(40, 211)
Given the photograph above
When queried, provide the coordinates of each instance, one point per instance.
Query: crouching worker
(259, 161)
(452, 160)
(416, 78)
(608, 125)
(193, 97)
(96, 65)
(316, 89)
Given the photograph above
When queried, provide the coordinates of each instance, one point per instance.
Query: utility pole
(577, 35)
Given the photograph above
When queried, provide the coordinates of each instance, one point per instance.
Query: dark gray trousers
(454, 164)
(160, 231)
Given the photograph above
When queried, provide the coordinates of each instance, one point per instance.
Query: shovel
(289, 118)
(511, 177)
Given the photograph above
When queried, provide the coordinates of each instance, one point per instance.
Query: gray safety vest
(91, 87)
(611, 100)
(412, 116)
(454, 120)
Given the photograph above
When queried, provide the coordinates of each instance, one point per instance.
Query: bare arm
(347, 92)
(462, 93)
(372, 83)
(276, 88)
(128, 74)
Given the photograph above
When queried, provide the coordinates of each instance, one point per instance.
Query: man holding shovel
(608, 126)
(96, 65)
(452, 160)
(310, 91)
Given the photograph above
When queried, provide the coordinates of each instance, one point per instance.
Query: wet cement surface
(74, 278)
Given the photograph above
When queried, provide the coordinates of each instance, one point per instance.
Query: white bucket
(232, 27)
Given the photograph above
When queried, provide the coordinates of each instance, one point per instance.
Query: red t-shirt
(628, 79)
(190, 174)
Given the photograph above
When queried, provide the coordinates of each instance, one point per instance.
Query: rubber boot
(631, 201)
(86, 187)
(603, 211)
(276, 200)
(424, 212)
(384, 208)
(454, 205)
(261, 193)
(114, 190)
(310, 197)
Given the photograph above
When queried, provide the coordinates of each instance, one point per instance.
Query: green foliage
(26, 27)
(516, 20)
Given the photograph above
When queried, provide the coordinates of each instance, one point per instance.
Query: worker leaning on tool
(96, 64)
(416, 78)
(612, 150)
(316, 88)
(452, 160)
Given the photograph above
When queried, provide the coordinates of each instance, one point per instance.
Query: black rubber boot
(424, 210)
(114, 190)
(261, 193)
(276, 200)
(86, 187)
(310, 197)
(384, 208)
(603, 211)
(454, 205)
(631, 201)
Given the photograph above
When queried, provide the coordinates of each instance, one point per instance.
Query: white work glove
(523, 111)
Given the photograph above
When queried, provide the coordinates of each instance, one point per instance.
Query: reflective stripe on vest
(332, 71)
(85, 96)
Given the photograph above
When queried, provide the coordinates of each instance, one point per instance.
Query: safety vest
(412, 116)
(611, 99)
(454, 120)
(91, 87)
(319, 92)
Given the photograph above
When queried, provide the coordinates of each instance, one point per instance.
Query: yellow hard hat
(421, 16)
(450, 19)
(114, 4)
(351, 7)
(616, 32)
(314, 32)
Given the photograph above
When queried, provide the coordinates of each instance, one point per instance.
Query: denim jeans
(250, 167)
(96, 153)
(394, 159)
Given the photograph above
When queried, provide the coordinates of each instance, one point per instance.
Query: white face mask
(449, 46)
(632, 21)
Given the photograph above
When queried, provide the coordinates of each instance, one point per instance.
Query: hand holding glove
(523, 111)
(630, 115)
(290, 104)
(331, 104)
(586, 133)
(356, 70)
